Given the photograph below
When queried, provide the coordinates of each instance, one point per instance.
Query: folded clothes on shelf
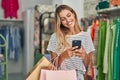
(102, 5)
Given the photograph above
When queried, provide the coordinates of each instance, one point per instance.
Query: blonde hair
(62, 31)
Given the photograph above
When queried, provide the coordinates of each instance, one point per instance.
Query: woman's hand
(69, 52)
(80, 52)
(66, 54)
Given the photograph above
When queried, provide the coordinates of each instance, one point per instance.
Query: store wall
(77, 5)
(32, 3)
(57, 2)
(89, 7)
(84, 8)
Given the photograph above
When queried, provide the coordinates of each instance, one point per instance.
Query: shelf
(11, 20)
(112, 10)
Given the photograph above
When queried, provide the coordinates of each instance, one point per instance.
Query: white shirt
(74, 62)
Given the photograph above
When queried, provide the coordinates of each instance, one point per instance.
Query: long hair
(61, 30)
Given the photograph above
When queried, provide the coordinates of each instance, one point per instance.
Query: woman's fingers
(72, 52)
(80, 52)
(68, 53)
(74, 48)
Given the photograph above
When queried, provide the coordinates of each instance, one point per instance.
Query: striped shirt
(74, 62)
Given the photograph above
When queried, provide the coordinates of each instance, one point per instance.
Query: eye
(68, 15)
(62, 19)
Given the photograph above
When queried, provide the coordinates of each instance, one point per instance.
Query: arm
(64, 55)
(89, 66)
(87, 59)
(53, 55)
(60, 57)
(82, 53)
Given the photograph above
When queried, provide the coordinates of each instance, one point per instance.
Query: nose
(67, 19)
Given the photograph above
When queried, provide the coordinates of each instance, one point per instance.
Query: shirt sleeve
(89, 47)
(52, 43)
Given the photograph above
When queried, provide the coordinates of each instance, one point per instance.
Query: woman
(67, 29)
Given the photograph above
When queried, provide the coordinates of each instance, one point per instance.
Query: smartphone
(76, 43)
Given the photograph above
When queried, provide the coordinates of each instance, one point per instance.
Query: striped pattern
(74, 62)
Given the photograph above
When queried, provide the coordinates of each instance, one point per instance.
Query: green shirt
(110, 50)
(116, 56)
(101, 46)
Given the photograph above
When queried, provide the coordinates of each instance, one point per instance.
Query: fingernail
(76, 50)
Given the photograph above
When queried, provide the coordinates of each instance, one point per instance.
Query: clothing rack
(112, 14)
(113, 11)
(14, 20)
(43, 16)
(11, 22)
(14, 28)
(5, 61)
(108, 9)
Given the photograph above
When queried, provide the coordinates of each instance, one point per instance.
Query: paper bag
(34, 74)
(58, 75)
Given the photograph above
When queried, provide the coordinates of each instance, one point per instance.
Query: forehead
(64, 12)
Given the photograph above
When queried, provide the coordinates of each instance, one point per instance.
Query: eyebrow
(66, 15)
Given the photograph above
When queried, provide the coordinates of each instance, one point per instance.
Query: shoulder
(82, 33)
(53, 35)
(86, 35)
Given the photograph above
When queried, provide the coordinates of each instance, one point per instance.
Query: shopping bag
(43, 63)
(58, 75)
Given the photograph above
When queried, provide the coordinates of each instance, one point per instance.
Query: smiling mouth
(69, 23)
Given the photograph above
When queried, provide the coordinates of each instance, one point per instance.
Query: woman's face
(67, 18)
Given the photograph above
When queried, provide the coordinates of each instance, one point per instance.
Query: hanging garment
(101, 46)
(110, 50)
(10, 8)
(95, 45)
(105, 60)
(11, 44)
(93, 35)
(116, 56)
(17, 40)
(95, 24)
(118, 75)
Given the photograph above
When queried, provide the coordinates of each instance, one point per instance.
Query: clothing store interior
(26, 28)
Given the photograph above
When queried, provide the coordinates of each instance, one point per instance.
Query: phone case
(76, 43)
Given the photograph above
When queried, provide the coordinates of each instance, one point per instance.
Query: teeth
(70, 23)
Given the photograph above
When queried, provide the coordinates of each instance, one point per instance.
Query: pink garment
(10, 8)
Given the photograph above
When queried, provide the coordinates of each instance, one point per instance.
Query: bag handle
(54, 63)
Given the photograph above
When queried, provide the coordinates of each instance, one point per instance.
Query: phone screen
(76, 43)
